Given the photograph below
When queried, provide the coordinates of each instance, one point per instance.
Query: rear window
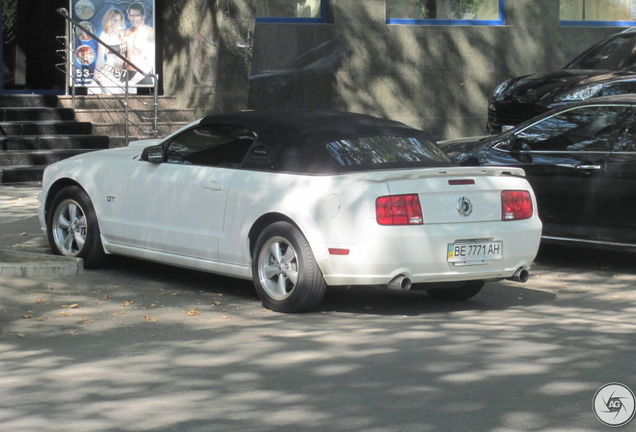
(380, 152)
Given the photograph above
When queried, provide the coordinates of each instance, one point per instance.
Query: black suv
(607, 68)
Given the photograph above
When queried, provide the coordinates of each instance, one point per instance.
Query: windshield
(386, 151)
(614, 53)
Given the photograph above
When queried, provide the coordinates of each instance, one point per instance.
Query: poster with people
(127, 27)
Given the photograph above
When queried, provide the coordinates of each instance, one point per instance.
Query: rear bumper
(384, 254)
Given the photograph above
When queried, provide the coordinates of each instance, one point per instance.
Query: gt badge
(464, 206)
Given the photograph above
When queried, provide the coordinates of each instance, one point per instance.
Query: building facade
(429, 63)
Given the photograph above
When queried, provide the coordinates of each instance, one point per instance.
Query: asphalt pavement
(136, 346)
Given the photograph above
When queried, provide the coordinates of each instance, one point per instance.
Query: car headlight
(502, 88)
(581, 94)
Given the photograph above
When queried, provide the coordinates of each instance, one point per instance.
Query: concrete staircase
(37, 130)
(105, 113)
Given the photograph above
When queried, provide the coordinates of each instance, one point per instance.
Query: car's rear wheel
(286, 275)
(73, 229)
(465, 291)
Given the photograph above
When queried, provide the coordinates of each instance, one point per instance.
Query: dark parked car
(607, 68)
(581, 162)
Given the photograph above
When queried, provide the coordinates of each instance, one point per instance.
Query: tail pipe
(521, 275)
(400, 282)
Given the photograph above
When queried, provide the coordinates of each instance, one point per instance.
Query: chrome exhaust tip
(400, 282)
(521, 275)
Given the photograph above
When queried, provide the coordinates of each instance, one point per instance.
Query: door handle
(589, 167)
(214, 187)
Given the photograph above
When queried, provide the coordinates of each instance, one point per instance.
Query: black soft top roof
(297, 138)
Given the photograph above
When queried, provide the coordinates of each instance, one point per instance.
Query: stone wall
(438, 78)
(206, 53)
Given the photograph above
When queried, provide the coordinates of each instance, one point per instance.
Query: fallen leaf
(175, 293)
(73, 306)
(215, 303)
(66, 314)
(149, 319)
(27, 316)
(193, 312)
(127, 303)
(20, 335)
(226, 317)
(24, 234)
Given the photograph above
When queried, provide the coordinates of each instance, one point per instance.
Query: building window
(291, 10)
(445, 12)
(598, 12)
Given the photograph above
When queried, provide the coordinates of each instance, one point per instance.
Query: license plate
(475, 252)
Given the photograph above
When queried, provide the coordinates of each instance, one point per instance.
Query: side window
(591, 128)
(214, 146)
(447, 12)
(259, 158)
(306, 11)
(627, 142)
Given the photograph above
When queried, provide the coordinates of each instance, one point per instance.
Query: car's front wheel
(72, 227)
(465, 291)
(286, 275)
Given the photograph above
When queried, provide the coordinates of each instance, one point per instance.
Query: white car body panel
(200, 217)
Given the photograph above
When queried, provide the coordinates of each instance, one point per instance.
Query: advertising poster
(127, 27)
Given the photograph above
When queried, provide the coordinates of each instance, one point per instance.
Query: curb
(29, 264)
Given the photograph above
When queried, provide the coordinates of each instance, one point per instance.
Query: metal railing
(122, 95)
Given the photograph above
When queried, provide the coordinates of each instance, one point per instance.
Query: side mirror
(508, 143)
(153, 154)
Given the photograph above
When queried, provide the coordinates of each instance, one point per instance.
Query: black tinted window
(259, 158)
(627, 142)
(615, 53)
(385, 150)
(211, 146)
(581, 129)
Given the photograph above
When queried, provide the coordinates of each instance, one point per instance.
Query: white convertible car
(297, 201)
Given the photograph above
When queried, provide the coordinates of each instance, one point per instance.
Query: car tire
(467, 290)
(72, 227)
(286, 275)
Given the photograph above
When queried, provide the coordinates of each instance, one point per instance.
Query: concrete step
(134, 102)
(7, 101)
(116, 142)
(35, 114)
(140, 116)
(20, 174)
(115, 130)
(17, 158)
(63, 127)
(50, 142)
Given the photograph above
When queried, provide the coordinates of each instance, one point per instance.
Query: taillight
(516, 205)
(399, 210)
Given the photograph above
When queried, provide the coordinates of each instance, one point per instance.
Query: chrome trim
(597, 242)
(549, 152)
(464, 206)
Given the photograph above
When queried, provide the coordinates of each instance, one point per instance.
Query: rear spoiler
(445, 172)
